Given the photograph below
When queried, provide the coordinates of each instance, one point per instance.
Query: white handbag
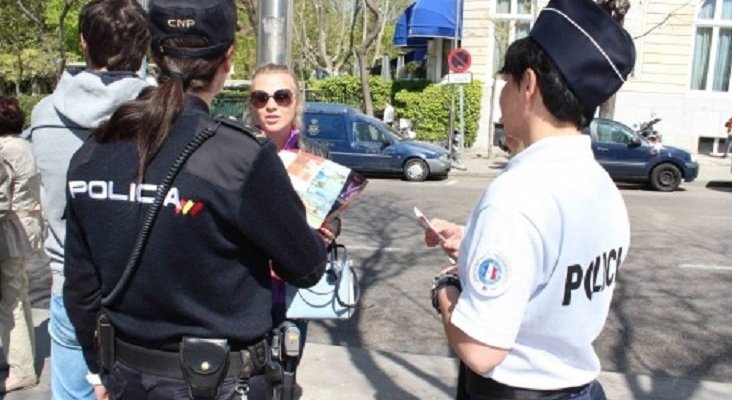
(334, 296)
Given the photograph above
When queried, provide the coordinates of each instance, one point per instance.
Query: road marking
(451, 182)
(707, 267)
(714, 216)
(374, 248)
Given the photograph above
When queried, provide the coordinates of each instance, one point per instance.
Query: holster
(285, 349)
(105, 342)
(204, 363)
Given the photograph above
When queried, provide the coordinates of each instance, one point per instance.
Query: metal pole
(274, 31)
(458, 28)
(461, 98)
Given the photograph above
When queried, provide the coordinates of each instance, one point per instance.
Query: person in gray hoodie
(114, 36)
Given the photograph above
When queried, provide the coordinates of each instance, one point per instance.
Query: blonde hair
(298, 97)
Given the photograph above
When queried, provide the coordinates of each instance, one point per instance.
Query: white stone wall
(664, 36)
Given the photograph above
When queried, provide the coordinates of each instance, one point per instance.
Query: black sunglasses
(259, 98)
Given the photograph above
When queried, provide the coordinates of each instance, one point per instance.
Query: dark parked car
(627, 157)
(367, 145)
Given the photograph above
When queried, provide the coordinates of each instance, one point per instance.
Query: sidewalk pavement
(335, 373)
(479, 164)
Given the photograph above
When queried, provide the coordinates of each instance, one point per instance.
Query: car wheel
(665, 177)
(416, 170)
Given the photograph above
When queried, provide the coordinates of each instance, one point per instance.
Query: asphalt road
(671, 314)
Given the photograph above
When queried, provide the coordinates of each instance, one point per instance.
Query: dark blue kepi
(592, 51)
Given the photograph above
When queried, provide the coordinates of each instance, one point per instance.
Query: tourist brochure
(325, 187)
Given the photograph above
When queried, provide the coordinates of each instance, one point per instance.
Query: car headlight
(692, 158)
(443, 157)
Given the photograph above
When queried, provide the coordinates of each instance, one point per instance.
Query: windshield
(389, 132)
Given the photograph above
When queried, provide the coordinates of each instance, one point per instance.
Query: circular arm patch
(489, 276)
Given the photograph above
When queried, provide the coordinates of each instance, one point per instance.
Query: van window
(366, 132)
(324, 126)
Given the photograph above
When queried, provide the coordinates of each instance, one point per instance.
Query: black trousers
(126, 383)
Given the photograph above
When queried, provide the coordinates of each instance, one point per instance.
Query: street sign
(464, 77)
(459, 60)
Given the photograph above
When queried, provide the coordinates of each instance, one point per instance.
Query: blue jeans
(593, 391)
(68, 368)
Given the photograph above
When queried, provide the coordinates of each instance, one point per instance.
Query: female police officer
(197, 308)
(543, 246)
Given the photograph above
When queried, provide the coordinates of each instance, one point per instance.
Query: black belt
(482, 388)
(250, 361)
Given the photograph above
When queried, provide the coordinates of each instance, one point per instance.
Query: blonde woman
(276, 109)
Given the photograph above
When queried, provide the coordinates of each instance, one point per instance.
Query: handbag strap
(354, 277)
(153, 211)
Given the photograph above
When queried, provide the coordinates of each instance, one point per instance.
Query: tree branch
(28, 14)
(658, 25)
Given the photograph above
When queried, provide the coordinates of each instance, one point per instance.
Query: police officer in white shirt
(539, 257)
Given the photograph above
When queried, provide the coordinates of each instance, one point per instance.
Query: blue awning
(435, 19)
(401, 30)
(426, 19)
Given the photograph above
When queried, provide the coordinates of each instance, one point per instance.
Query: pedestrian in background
(519, 312)
(388, 113)
(193, 319)
(114, 38)
(20, 220)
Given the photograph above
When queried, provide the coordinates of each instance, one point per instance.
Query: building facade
(682, 72)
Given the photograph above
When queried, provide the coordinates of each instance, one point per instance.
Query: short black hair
(526, 54)
(11, 116)
(116, 34)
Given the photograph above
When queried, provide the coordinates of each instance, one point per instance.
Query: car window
(609, 132)
(324, 126)
(366, 132)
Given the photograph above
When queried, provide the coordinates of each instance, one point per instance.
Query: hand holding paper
(441, 232)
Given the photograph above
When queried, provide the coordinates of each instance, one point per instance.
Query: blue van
(367, 145)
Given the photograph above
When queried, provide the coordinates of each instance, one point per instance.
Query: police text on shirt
(595, 278)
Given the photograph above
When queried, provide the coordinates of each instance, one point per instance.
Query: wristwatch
(440, 281)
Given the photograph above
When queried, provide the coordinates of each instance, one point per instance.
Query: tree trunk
(360, 54)
(365, 90)
(617, 10)
(380, 36)
(61, 45)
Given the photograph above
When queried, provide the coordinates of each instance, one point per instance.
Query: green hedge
(347, 90)
(27, 102)
(418, 100)
(431, 110)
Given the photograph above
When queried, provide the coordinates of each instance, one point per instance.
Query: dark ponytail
(149, 118)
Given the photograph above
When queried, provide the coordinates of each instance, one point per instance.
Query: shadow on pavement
(43, 345)
(383, 303)
(721, 186)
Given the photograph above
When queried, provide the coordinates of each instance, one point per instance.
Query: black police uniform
(204, 272)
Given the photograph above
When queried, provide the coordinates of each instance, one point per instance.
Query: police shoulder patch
(490, 275)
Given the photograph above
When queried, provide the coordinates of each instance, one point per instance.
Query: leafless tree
(320, 31)
(250, 8)
(34, 15)
(361, 51)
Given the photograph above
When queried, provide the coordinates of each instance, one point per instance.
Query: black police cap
(592, 51)
(212, 20)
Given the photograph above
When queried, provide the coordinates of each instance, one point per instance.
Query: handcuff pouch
(204, 363)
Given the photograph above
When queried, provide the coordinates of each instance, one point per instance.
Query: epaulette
(240, 126)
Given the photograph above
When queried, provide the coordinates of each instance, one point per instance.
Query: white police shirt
(539, 262)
